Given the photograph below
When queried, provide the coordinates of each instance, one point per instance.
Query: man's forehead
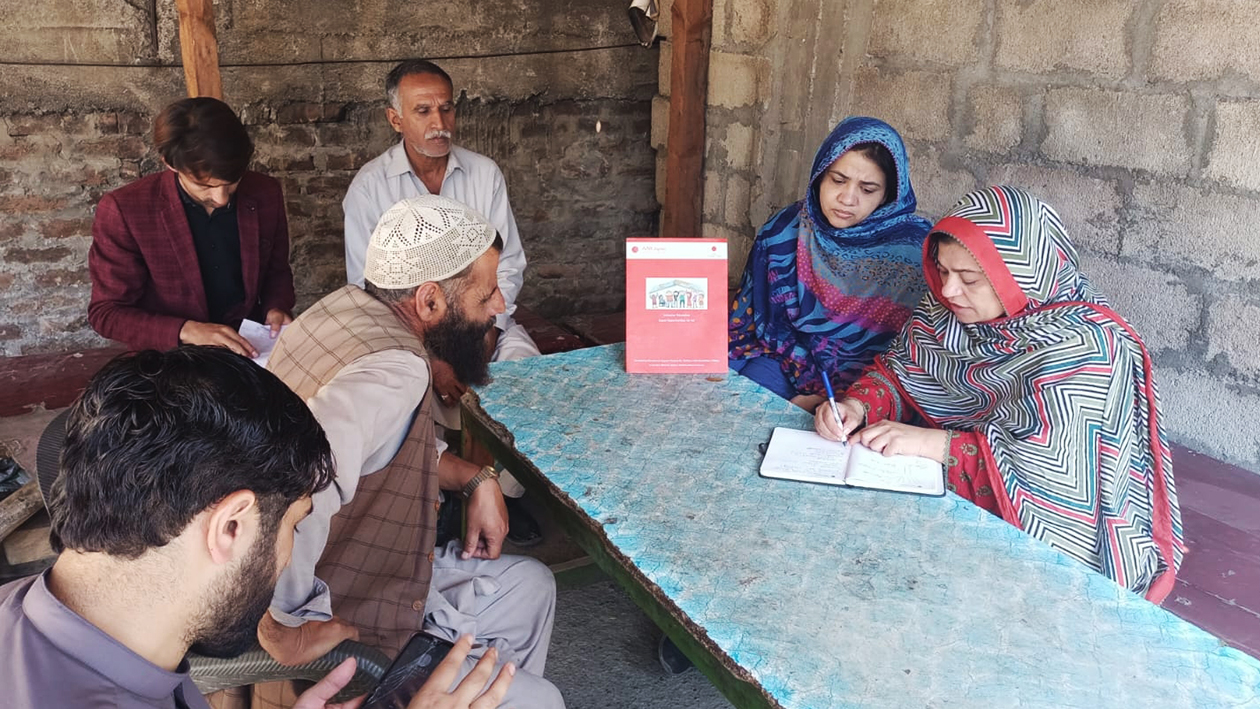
(200, 181)
(484, 275)
(425, 88)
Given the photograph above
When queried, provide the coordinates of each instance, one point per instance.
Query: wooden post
(199, 48)
(689, 84)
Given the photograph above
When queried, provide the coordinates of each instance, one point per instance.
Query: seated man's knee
(533, 692)
(534, 578)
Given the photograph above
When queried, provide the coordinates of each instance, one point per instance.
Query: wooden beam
(199, 48)
(689, 85)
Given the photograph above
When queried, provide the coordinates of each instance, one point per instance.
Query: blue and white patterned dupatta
(817, 298)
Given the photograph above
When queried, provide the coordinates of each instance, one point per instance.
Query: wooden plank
(28, 544)
(599, 329)
(1236, 626)
(549, 336)
(688, 99)
(199, 48)
(53, 380)
(1220, 503)
(741, 692)
(19, 507)
(1222, 561)
(1193, 465)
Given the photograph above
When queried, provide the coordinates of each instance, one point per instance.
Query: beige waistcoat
(379, 558)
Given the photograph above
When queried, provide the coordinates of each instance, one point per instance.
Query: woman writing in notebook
(1039, 399)
(832, 278)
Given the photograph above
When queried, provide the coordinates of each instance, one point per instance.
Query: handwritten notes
(808, 457)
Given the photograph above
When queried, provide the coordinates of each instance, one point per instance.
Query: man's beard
(229, 626)
(461, 343)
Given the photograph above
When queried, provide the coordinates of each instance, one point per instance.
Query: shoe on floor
(671, 658)
(523, 529)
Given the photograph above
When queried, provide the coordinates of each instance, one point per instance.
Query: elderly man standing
(426, 161)
(361, 359)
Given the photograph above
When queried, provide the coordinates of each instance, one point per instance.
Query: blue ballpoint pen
(831, 397)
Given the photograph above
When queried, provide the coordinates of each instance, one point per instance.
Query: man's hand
(432, 694)
(205, 333)
(277, 318)
(893, 438)
(487, 519)
(305, 643)
(449, 388)
(468, 694)
(317, 697)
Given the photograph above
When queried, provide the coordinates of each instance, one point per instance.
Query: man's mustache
(440, 133)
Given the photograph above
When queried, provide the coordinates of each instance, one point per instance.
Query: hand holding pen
(836, 421)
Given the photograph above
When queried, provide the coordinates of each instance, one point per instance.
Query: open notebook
(807, 456)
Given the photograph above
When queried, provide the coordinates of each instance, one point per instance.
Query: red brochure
(676, 306)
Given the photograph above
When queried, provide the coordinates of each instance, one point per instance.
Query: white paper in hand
(259, 336)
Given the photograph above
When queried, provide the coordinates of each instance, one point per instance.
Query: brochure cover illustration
(675, 306)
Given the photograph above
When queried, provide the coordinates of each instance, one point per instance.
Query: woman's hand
(892, 438)
(851, 416)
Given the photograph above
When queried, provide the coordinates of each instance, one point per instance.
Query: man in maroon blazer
(184, 255)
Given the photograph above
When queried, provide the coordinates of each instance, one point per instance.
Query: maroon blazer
(145, 279)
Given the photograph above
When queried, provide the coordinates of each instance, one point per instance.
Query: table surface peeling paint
(837, 597)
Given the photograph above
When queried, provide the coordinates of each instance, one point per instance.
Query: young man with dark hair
(184, 255)
(182, 478)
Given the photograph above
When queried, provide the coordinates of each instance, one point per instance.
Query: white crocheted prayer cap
(422, 239)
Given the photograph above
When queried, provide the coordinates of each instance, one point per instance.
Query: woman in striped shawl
(1038, 398)
(832, 278)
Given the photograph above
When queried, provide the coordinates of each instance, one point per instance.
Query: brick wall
(1136, 119)
(558, 101)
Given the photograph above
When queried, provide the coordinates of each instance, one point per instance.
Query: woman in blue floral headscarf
(832, 278)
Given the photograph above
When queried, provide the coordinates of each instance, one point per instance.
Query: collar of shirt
(78, 638)
(400, 165)
(188, 201)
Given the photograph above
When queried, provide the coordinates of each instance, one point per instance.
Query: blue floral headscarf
(821, 299)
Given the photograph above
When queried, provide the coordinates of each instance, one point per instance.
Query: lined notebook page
(903, 473)
(805, 455)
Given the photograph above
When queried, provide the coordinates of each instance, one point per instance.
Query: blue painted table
(796, 595)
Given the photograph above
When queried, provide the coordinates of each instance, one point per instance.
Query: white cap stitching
(423, 239)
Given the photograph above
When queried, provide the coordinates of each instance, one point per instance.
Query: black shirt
(217, 239)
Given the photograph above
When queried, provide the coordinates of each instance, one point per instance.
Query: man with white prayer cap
(364, 564)
(426, 160)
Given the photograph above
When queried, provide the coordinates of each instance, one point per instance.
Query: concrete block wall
(1138, 120)
(561, 100)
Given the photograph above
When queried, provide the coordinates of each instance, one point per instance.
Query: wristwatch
(486, 473)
